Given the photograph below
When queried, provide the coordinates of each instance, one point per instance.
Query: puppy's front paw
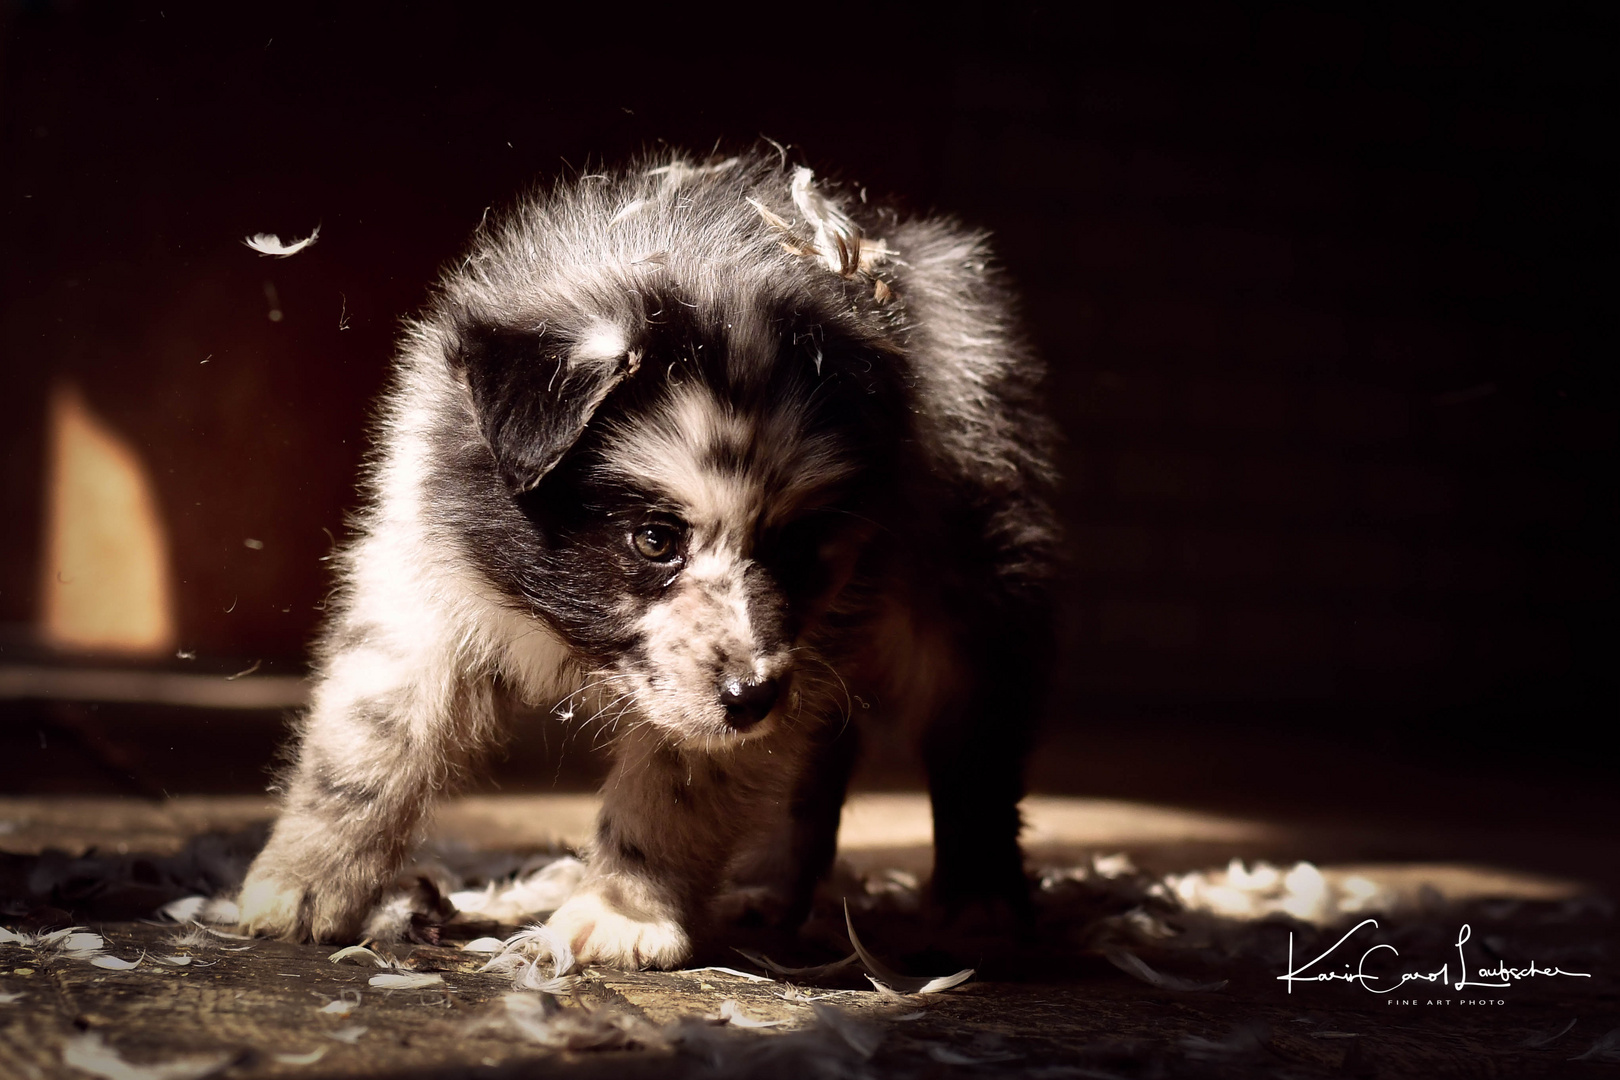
(294, 907)
(604, 929)
(271, 907)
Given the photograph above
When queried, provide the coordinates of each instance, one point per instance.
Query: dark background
(1325, 291)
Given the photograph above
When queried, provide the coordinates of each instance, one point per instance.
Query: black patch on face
(533, 400)
(771, 612)
(558, 551)
(796, 554)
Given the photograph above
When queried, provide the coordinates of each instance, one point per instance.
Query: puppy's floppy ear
(534, 395)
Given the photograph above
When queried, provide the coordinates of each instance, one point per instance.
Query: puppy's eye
(658, 543)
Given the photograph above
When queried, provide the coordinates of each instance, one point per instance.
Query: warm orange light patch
(105, 582)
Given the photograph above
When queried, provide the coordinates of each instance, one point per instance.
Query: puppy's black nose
(747, 701)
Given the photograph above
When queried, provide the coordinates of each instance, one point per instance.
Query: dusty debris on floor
(1151, 958)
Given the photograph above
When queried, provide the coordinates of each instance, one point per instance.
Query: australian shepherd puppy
(709, 452)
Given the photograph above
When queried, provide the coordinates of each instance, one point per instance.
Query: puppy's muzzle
(748, 700)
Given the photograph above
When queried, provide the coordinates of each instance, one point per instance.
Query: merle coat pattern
(705, 452)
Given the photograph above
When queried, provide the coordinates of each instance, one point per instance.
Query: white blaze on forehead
(673, 454)
(603, 341)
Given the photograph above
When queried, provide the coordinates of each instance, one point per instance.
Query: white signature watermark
(1374, 981)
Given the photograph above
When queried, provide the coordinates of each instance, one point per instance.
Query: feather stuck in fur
(834, 235)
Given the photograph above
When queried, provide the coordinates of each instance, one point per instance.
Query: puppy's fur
(709, 452)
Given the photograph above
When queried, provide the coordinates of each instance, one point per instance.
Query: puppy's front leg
(386, 727)
(670, 820)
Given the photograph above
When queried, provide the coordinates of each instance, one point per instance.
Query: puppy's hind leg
(974, 750)
(387, 725)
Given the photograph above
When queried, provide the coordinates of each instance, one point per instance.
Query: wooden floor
(1053, 1005)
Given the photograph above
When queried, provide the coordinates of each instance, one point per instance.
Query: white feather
(301, 1059)
(403, 981)
(349, 1035)
(731, 1013)
(200, 909)
(89, 1053)
(537, 894)
(357, 950)
(113, 963)
(629, 209)
(271, 244)
(836, 237)
(522, 954)
(1136, 967)
(882, 976)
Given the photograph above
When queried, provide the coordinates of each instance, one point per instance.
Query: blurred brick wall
(1324, 293)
